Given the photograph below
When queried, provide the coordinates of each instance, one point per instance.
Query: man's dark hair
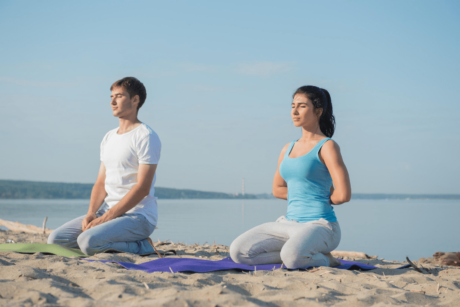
(133, 87)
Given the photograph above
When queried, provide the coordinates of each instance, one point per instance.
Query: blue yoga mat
(203, 266)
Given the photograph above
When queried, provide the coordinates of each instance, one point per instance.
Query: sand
(48, 280)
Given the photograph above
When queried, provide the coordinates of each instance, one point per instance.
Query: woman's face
(303, 112)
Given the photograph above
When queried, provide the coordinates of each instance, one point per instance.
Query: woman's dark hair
(320, 99)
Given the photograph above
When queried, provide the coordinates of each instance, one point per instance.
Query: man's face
(122, 104)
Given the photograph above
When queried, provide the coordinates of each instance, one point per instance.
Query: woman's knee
(235, 251)
(241, 251)
(289, 258)
(293, 258)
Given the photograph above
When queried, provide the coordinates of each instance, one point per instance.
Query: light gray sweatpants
(126, 233)
(295, 244)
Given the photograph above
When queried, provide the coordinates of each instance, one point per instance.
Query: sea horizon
(28, 189)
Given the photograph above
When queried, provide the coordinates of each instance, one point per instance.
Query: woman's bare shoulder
(330, 147)
(285, 148)
(283, 152)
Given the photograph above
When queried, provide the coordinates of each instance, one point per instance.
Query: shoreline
(30, 279)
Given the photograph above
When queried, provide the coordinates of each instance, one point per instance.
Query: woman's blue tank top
(309, 183)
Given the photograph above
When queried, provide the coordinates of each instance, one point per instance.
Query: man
(122, 210)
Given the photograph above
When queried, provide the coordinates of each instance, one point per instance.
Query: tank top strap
(288, 151)
(320, 144)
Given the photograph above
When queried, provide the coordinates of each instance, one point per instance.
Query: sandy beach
(49, 280)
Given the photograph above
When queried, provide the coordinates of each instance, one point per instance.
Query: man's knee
(89, 244)
(53, 237)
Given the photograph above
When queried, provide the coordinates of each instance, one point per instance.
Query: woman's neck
(311, 133)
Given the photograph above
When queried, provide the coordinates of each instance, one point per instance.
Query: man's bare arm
(133, 197)
(98, 195)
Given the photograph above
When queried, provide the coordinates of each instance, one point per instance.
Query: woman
(311, 175)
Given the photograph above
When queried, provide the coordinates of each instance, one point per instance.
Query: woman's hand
(89, 217)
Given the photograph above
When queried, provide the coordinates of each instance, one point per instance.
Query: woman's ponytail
(327, 119)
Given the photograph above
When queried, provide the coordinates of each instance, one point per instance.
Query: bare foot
(332, 261)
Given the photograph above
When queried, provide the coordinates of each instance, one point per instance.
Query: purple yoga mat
(203, 266)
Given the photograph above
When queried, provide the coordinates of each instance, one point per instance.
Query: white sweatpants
(295, 244)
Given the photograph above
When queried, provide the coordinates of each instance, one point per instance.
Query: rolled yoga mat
(32, 248)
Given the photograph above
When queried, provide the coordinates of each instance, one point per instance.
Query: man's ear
(135, 100)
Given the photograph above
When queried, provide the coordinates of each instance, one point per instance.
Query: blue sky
(219, 78)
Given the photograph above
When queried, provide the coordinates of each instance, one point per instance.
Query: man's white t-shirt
(121, 155)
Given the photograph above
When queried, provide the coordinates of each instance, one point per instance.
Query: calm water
(390, 229)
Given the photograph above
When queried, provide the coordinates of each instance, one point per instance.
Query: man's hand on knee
(98, 221)
(87, 220)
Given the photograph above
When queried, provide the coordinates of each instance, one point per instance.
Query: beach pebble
(28, 272)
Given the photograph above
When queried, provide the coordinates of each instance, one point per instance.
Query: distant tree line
(405, 196)
(13, 189)
(168, 193)
(44, 190)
